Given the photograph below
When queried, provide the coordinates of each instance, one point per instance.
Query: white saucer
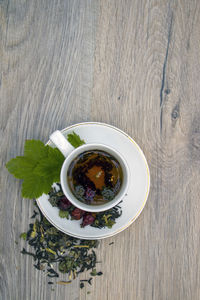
(133, 203)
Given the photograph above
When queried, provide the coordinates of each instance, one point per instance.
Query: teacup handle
(61, 143)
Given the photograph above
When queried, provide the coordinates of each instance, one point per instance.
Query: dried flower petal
(77, 213)
(64, 203)
(88, 219)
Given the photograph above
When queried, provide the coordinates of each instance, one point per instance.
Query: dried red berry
(87, 220)
(64, 203)
(77, 213)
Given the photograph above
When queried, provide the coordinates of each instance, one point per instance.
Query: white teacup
(71, 153)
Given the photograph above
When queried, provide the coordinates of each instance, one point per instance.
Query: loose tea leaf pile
(69, 211)
(50, 248)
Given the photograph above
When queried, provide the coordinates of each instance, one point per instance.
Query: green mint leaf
(75, 140)
(55, 155)
(34, 186)
(35, 150)
(63, 214)
(20, 166)
(40, 166)
(50, 166)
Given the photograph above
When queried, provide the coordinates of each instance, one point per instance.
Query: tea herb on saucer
(69, 211)
(52, 250)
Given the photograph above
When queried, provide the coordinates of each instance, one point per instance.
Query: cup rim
(95, 208)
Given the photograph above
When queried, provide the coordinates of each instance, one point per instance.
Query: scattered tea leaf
(94, 272)
(83, 280)
(28, 253)
(50, 251)
(63, 214)
(81, 285)
(23, 235)
(33, 233)
(52, 273)
(54, 201)
(64, 282)
(81, 246)
(34, 215)
(51, 247)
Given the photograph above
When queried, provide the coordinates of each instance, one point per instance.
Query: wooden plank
(146, 82)
(47, 50)
(133, 64)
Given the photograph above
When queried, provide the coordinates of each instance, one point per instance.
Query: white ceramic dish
(134, 201)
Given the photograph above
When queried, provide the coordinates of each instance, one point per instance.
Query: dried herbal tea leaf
(94, 272)
(63, 282)
(23, 235)
(69, 211)
(51, 247)
(34, 215)
(63, 214)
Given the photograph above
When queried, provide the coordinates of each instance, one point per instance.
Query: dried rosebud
(87, 220)
(64, 203)
(77, 213)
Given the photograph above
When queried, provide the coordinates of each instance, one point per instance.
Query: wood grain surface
(132, 64)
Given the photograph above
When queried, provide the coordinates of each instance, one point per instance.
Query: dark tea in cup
(95, 177)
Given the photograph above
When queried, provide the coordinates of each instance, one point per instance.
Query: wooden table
(132, 64)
